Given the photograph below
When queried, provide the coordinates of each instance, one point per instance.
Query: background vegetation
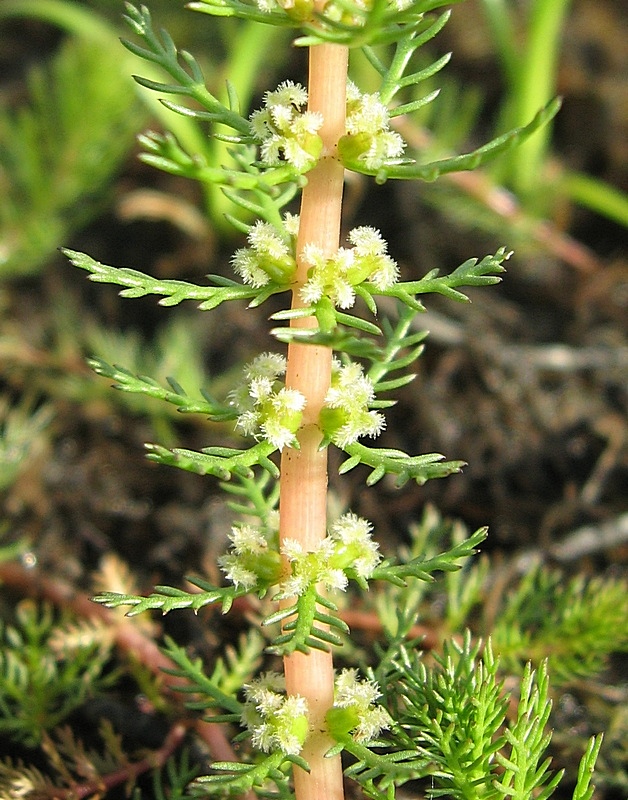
(528, 384)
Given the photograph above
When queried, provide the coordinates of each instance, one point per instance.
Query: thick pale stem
(303, 504)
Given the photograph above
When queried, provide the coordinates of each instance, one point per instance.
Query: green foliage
(422, 567)
(138, 284)
(411, 170)
(40, 684)
(573, 624)
(233, 779)
(304, 625)
(175, 394)
(172, 781)
(207, 692)
(189, 81)
(21, 427)
(55, 172)
(169, 598)
(456, 716)
(74, 768)
(360, 25)
(447, 724)
(530, 65)
(528, 46)
(223, 462)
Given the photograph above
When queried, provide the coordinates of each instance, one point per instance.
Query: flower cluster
(349, 13)
(355, 710)
(345, 415)
(369, 140)
(347, 550)
(265, 411)
(251, 562)
(271, 253)
(276, 721)
(337, 276)
(355, 549)
(299, 10)
(286, 132)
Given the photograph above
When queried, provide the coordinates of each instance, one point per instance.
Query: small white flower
(246, 264)
(266, 5)
(261, 388)
(368, 241)
(288, 400)
(269, 257)
(248, 422)
(267, 411)
(343, 294)
(276, 721)
(277, 434)
(266, 365)
(372, 722)
(247, 538)
(350, 692)
(351, 392)
(292, 549)
(264, 237)
(308, 122)
(285, 130)
(310, 568)
(250, 562)
(240, 576)
(282, 116)
(354, 534)
(367, 423)
(294, 586)
(267, 681)
(291, 224)
(287, 93)
(368, 117)
(335, 580)
(350, 386)
(386, 274)
(367, 114)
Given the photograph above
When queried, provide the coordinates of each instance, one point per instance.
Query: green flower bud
(340, 721)
(299, 10)
(352, 146)
(266, 565)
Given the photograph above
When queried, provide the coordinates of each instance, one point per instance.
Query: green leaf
(305, 626)
(42, 685)
(584, 790)
(160, 49)
(219, 461)
(396, 462)
(393, 77)
(411, 170)
(422, 568)
(138, 284)
(233, 778)
(126, 381)
(207, 693)
(61, 150)
(167, 599)
(472, 272)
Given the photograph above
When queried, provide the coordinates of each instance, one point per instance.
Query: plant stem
(303, 498)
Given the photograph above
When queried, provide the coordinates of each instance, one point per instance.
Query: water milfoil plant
(329, 384)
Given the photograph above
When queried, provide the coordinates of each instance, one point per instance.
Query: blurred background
(528, 383)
